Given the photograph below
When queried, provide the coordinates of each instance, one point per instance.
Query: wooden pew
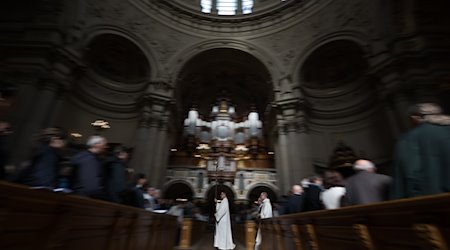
(41, 219)
(417, 223)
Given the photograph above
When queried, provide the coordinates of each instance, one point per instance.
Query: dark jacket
(422, 162)
(43, 168)
(115, 177)
(312, 198)
(87, 175)
(366, 187)
(294, 204)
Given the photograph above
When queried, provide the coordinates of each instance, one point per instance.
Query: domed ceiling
(225, 73)
(264, 14)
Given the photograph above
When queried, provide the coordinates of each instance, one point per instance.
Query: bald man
(366, 186)
(295, 202)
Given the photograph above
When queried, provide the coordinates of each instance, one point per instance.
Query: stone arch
(337, 63)
(178, 189)
(134, 40)
(211, 194)
(221, 69)
(256, 189)
(270, 63)
(356, 38)
(333, 64)
(111, 97)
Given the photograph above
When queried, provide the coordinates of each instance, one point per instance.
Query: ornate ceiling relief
(191, 19)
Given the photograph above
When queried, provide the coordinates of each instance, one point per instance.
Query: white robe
(265, 212)
(223, 239)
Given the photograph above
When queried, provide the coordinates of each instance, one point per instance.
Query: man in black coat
(115, 174)
(422, 155)
(295, 202)
(43, 169)
(312, 194)
(88, 174)
(366, 186)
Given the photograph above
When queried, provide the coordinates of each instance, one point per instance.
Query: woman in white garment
(223, 239)
(265, 212)
(334, 190)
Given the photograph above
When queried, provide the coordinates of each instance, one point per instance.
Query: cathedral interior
(247, 95)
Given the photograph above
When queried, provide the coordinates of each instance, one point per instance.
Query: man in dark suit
(87, 177)
(366, 186)
(312, 194)
(422, 157)
(115, 174)
(295, 202)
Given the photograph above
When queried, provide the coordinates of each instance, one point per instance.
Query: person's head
(157, 194)
(151, 191)
(426, 112)
(96, 144)
(332, 178)
(297, 189)
(54, 137)
(223, 195)
(315, 180)
(364, 165)
(5, 128)
(263, 196)
(122, 152)
(141, 179)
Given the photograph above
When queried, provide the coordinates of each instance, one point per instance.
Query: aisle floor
(207, 243)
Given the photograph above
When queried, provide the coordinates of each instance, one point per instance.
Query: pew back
(41, 219)
(417, 223)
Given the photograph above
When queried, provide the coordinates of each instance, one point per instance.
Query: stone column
(39, 110)
(282, 159)
(159, 162)
(140, 137)
(151, 139)
(293, 159)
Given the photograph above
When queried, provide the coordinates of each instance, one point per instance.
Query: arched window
(227, 7)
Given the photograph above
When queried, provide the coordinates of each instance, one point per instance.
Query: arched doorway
(212, 194)
(254, 194)
(178, 190)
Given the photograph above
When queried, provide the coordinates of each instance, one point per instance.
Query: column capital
(162, 87)
(155, 110)
(291, 115)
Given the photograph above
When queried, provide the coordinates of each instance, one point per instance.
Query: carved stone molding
(155, 111)
(196, 21)
(160, 87)
(291, 116)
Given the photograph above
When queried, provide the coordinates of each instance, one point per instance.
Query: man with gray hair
(422, 155)
(366, 186)
(87, 171)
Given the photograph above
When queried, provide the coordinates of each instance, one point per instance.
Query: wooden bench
(417, 223)
(41, 219)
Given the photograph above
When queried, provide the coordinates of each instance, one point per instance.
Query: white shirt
(331, 197)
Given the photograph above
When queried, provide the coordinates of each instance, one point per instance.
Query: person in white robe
(223, 239)
(265, 212)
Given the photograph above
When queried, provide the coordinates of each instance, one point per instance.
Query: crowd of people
(97, 171)
(421, 166)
